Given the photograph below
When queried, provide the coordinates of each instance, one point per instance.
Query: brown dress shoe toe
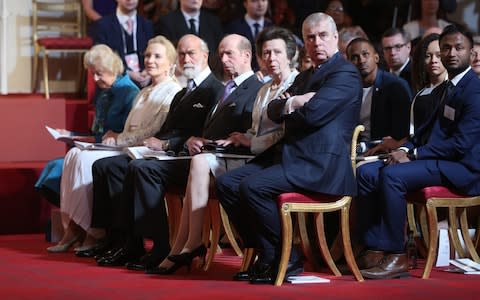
(369, 259)
(391, 266)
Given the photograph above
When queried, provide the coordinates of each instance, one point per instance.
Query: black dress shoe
(164, 271)
(148, 261)
(86, 253)
(120, 258)
(263, 274)
(242, 276)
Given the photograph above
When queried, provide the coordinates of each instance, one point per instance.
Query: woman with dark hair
(277, 48)
(428, 74)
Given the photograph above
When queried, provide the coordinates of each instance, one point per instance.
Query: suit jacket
(108, 31)
(390, 112)
(173, 26)
(316, 153)
(406, 74)
(235, 114)
(187, 114)
(455, 135)
(240, 26)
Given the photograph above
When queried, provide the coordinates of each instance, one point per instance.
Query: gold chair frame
(457, 211)
(342, 205)
(47, 23)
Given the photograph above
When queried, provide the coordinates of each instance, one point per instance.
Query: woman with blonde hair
(147, 115)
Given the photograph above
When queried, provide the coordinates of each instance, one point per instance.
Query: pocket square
(198, 105)
(233, 104)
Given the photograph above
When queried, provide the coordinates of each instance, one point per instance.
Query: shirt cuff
(289, 106)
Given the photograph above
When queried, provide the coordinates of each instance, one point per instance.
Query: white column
(3, 47)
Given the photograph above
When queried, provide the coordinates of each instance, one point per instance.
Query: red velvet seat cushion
(65, 42)
(422, 195)
(305, 198)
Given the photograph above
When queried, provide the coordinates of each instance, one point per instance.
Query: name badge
(132, 62)
(449, 113)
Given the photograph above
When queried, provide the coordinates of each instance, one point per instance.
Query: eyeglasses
(397, 47)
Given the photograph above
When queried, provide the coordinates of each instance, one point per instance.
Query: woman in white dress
(277, 48)
(144, 120)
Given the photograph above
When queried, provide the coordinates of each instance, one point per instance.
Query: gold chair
(315, 203)
(57, 28)
(431, 198)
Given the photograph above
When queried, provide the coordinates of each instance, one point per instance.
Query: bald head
(236, 55)
(192, 55)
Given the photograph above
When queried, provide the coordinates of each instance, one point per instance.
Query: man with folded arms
(449, 158)
(319, 111)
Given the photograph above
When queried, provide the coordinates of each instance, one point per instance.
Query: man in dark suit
(320, 111)
(251, 24)
(190, 18)
(147, 180)
(449, 158)
(187, 114)
(385, 110)
(127, 33)
(396, 51)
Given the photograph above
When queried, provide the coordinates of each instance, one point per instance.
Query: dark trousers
(249, 195)
(381, 206)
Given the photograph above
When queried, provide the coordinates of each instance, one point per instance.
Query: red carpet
(29, 272)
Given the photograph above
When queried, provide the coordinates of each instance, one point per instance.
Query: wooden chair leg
(347, 244)
(174, 211)
(466, 235)
(248, 258)
(35, 68)
(322, 241)
(286, 245)
(453, 230)
(229, 232)
(306, 246)
(214, 213)
(45, 74)
(433, 239)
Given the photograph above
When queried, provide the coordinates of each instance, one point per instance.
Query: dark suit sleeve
(464, 134)
(330, 99)
(99, 34)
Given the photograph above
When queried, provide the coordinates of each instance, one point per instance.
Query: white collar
(459, 77)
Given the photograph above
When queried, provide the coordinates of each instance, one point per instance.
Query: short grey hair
(316, 18)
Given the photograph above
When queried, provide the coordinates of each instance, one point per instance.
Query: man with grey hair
(320, 111)
(186, 116)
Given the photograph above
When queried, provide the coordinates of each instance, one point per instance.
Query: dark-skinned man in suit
(449, 158)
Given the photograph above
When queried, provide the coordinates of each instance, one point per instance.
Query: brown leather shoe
(391, 266)
(369, 259)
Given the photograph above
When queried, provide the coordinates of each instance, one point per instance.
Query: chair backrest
(353, 149)
(52, 18)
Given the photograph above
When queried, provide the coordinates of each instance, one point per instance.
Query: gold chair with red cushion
(57, 28)
(316, 203)
(431, 198)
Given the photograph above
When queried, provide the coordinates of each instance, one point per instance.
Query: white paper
(443, 257)
(307, 279)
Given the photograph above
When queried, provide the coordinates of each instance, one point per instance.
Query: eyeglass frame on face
(397, 47)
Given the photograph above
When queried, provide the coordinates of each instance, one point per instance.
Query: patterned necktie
(228, 90)
(129, 26)
(193, 28)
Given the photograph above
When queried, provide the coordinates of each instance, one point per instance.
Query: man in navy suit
(385, 110)
(127, 33)
(319, 111)
(251, 24)
(190, 18)
(449, 158)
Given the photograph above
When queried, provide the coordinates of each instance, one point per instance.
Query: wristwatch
(411, 154)
(166, 145)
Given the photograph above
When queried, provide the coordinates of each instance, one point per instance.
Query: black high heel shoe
(186, 258)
